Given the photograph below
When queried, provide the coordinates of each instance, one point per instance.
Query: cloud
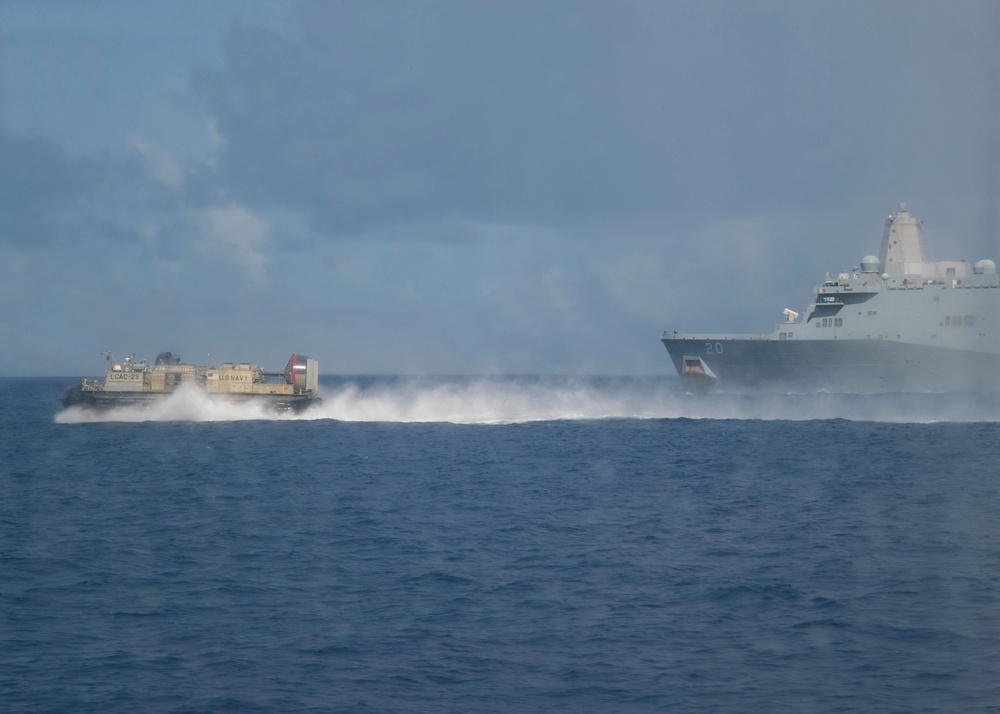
(38, 183)
(363, 114)
(161, 166)
(639, 283)
(51, 198)
(552, 282)
(560, 180)
(241, 235)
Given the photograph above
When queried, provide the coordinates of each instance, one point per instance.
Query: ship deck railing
(674, 335)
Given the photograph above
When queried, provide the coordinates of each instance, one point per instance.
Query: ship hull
(858, 365)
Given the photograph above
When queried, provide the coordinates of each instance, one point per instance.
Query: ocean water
(502, 545)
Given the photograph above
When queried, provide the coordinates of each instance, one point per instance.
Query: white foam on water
(518, 400)
(487, 401)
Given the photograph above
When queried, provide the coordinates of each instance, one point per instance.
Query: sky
(469, 187)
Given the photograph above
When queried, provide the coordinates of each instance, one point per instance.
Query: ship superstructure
(136, 383)
(899, 322)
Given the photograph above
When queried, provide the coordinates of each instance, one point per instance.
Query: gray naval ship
(132, 383)
(901, 322)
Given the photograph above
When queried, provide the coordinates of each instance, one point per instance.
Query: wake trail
(516, 401)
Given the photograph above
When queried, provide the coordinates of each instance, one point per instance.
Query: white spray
(518, 400)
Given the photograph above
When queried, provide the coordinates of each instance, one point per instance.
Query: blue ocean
(506, 544)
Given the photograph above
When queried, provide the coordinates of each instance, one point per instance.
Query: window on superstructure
(969, 320)
(950, 272)
(956, 320)
(838, 322)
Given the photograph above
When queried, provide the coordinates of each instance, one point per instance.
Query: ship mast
(903, 253)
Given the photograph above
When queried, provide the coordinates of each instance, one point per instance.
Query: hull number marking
(713, 348)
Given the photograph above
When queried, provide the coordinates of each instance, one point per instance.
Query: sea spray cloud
(518, 400)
